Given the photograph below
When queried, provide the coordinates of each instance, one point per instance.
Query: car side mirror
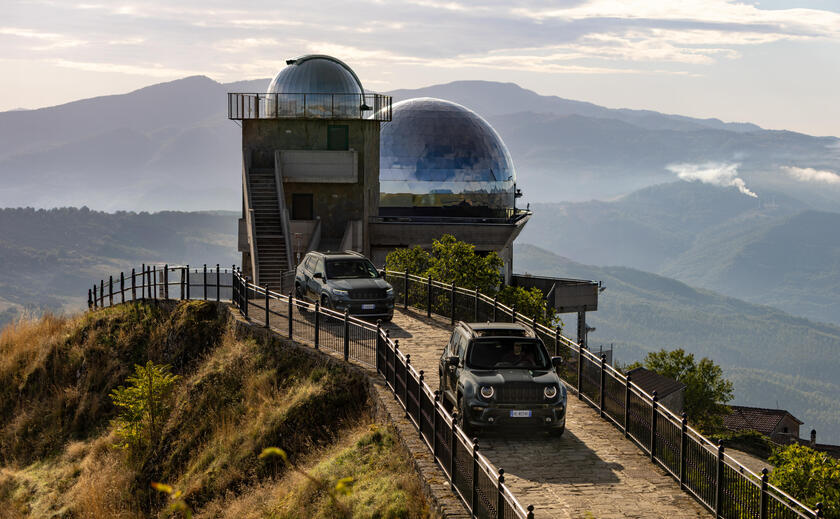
(556, 361)
(453, 361)
(318, 275)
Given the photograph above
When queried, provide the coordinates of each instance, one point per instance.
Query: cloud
(151, 70)
(716, 174)
(819, 176)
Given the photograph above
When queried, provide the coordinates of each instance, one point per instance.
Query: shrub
(810, 476)
(143, 405)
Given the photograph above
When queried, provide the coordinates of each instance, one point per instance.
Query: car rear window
(507, 352)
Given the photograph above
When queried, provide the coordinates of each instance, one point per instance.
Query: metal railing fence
(373, 107)
(703, 469)
(475, 480)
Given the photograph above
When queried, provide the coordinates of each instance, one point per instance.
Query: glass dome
(315, 85)
(438, 158)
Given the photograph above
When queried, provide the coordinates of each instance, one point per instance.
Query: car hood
(501, 376)
(355, 284)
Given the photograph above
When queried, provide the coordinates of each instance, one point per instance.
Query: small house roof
(760, 419)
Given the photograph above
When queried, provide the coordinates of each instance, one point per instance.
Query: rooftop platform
(373, 107)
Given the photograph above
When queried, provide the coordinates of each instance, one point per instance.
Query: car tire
(557, 431)
(462, 421)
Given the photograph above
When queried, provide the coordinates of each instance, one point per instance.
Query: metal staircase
(269, 226)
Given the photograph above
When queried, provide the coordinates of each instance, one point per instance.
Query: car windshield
(507, 352)
(351, 269)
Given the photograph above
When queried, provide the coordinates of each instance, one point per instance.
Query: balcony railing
(374, 107)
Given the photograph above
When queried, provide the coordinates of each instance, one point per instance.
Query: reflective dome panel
(314, 84)
(438, 158)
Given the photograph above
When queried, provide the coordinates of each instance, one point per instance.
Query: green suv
(500, 375)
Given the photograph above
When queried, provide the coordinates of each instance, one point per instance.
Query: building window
(302, 206)
(338, 137)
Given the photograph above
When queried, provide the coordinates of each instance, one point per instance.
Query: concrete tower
(310, 165)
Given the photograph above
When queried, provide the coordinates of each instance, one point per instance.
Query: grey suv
(344, 281)
(500, 374)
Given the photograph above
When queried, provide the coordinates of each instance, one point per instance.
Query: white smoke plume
(820, 176)
(715, 173)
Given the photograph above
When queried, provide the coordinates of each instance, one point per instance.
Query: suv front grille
(519, 393)
(367, 293)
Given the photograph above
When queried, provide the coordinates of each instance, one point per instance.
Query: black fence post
(133, 285)
(347, 336)
(378, 345)
(317, 323)
(154, 282)
(90, 299)
(603, 384)
(267, 312)
(474, 499)
(205, 282)
(495, 306)
(513, 317)
(405, 382)
(245, 281)
(394, 369)
(653, 405)
(534, 323)
(453, 439)
(452, 303)
(719, 479)
(291, 317)
(95, 303)
(580, 373)
(819, 509)
(111, 290)
(683, 444)
(232, 283)
(500, 500)
(530, 512)
(429, 297)
(234, 293)
(556, 341)
(102, 292)
(405, 285)
(142, 281)
(435, 404)
(187, 281)
(122, 287)
(166, 281)
(627, 407)
(420, 383)
(218, 283)
(475, 305)
(762, 509)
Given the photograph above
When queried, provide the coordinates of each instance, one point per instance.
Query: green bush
(455, 261)
(143, 406)
(810, 476)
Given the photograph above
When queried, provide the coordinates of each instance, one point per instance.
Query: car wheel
(388, 319)
(557, 431)
(462, 419)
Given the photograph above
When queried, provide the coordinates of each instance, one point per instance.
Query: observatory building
(328, 166)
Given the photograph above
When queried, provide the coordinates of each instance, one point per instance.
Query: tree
(706, 392)
(143, 406)
(455, 261)
(810, 476)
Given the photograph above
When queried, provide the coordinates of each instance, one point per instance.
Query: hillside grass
(236, 397)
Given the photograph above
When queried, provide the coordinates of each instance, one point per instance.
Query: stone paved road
(591, 471)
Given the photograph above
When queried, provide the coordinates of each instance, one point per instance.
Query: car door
(315, 284)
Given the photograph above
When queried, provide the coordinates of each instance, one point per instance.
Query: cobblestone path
(591, 471)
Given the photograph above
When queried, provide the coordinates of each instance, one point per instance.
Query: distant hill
(770, 355)
(772, 250)
(50, 258)
(170, 146)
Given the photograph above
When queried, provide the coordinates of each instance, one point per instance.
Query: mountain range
(170, 147)
(774, 359)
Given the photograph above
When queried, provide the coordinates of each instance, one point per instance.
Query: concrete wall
(334, 203)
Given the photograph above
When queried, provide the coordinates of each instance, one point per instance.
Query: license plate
(520, 414)
(368, 307)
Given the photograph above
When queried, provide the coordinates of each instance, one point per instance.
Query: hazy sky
(772, 62)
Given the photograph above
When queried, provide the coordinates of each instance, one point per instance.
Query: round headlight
(550, 391)
(487, 392)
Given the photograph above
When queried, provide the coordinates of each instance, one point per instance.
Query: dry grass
(25, 342)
